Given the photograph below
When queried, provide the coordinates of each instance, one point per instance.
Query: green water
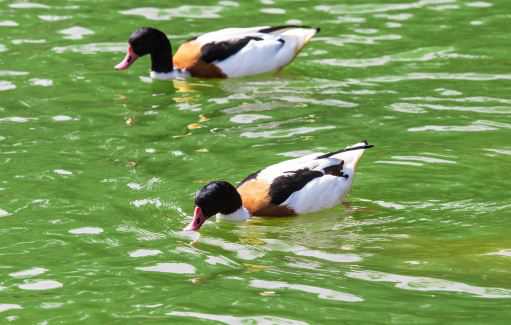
(99, 168)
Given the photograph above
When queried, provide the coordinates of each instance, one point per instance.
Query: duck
(296, 186)
(225, 53)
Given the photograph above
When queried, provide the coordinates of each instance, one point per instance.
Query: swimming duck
(226, 53)
(302, 185)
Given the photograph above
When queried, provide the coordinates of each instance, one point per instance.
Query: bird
(301, 185)
(225, 53)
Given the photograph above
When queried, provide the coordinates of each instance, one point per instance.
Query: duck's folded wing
(319, 193)
(291, 166)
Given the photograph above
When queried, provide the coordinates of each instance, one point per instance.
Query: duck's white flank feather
(270, 52)
(320, 193)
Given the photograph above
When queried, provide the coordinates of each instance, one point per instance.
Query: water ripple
(4, 213)
(152, 13)
(502, 252)
(284, 133)
(92, 48)
(376, 8)
(417, 55)
(144, 252)
(6, 307)
(322, 293)
(248, 118)
(422, 108)
(52, 18)
(8, 23)
(232, 320)
(12, 73)
(470, 76)
(177, 268)
(76, 32)
(6, 85)
(358, 39)
(41, 285)
(429, 284)
(28, 5)
(86, 231)
(477, 126)
(28, 273)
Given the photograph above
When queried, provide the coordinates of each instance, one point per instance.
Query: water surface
(99, 168)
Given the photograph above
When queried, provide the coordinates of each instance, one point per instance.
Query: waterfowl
(302, 185)
(226, 53)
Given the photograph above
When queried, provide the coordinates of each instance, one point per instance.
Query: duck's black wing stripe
(365, 146)
(283, 186)
(219, 51)
(276, 28)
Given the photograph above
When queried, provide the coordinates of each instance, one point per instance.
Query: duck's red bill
(128, 60)
(197, 221)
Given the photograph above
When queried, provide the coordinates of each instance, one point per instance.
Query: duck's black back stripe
(276, 28)
(365, 146)
(283, 186)
(219, 51)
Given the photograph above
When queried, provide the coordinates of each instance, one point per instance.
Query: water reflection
(152, 13)
(233, 320)
(321, 292)
(41, 285)
(429, 284)
(177, 268)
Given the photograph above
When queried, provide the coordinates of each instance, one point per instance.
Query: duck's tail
(299, 35)
(350, 155)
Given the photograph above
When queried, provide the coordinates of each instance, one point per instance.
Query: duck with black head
(297, 186)
(226, 53)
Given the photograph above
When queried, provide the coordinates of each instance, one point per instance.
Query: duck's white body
(325, 191)
(302, 185)
(226, 53)
(273, 51)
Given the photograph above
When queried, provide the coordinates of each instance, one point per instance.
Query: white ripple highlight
(63, 172)
(417, 283)
(52, 18)
(177, 268)
(284, 133)
(76, 32)
(86, 231)
(279, 245)
(8, 23)
(6, 307)
(41, 82)
(152, 13)
(41, 285)
(28, 5)
(502, 252)
(4, 213)
(28, 273)
(144, 252)
(248, 118)
(232, 320)
(322, 293)
(6, 85)
(92, 48)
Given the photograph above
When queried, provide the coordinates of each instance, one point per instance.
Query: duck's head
(148, 40)
(215, 197)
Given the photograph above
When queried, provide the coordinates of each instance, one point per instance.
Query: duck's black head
(148, 40)
(215, 197)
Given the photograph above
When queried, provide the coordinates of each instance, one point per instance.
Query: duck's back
(236, 52)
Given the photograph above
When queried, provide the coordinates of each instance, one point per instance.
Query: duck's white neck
(241, 214)
(174, 74)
